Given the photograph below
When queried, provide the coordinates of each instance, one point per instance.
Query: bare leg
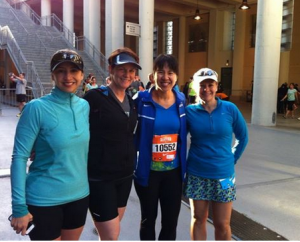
(110, 230)
(21, 106)
(221, 218)
(199, 215)
(70, 234)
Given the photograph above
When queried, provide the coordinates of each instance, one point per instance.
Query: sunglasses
(208, 73)
(66, 56)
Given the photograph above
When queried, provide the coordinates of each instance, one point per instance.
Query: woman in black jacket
(113, 120)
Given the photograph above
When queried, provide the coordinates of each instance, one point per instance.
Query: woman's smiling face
(67, 77)
(208, 89)
(165, 78)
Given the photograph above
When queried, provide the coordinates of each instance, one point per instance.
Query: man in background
(21, 83)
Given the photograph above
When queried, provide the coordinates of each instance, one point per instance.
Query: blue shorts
(198, 188)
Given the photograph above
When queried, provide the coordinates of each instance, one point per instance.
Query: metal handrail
(79, 43)
(7, 39)
(15, 16)
(28, 34)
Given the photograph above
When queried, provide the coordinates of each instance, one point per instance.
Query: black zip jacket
(111, 149)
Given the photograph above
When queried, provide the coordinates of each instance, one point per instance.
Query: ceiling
(165, 10)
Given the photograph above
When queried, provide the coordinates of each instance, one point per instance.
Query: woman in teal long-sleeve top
(54, 194)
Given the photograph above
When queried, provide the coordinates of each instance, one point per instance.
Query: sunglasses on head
(208, 73)
(67, 56)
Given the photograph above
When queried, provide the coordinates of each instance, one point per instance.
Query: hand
(20, 224)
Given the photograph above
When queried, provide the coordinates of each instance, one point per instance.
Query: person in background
(86, 82)
(21, 83)
(211, 159)
(92, 84)
(150, 82)
(291, 96)
(192, 93)
(161, 143)
(135, 86)
(223, 96)
(281, 105)
(113, 120)
(54, 195)
(186, 88)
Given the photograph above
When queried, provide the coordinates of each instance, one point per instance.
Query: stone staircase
(32, 45)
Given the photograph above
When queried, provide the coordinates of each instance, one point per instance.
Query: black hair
(164, 59)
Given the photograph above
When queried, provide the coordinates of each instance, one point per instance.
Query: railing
(8, 97)
(82, 43)
(7, 39)
(79, 43)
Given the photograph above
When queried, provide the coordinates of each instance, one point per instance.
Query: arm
(284, 97)
(241, 134)
(26, 133)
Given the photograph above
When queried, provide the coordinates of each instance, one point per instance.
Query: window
(198, 37)
(287, 26)
(169, 37)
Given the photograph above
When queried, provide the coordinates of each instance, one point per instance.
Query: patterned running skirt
(198, 188)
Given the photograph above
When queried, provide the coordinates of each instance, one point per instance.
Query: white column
(86, 19)
(114, 25)
(46, 11)
(266, 64)
(238, 54)
(68, 17)
(146, 18)
(182, 50)
(94, 23)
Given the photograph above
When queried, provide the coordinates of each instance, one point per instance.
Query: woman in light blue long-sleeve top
(54, 193)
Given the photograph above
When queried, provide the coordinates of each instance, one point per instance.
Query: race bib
(164, 147)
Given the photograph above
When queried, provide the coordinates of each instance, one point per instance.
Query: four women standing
(160, 139)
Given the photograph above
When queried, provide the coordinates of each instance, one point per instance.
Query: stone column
(267, 60)
(46, 11)
(68, 18)
(114, 25)
(94, 23)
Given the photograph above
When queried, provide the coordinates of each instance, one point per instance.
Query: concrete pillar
(95, 23)
(182, 50)
(238, 54)
(46, 11)
(114, 25)
(146, 18)
(86, 19)
(68, 17)
(266, 64)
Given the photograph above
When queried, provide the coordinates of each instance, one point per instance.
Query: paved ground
(268, 180)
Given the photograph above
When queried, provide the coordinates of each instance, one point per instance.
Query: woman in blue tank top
(161, 142)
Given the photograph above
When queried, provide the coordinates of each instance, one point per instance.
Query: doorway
(226, 80)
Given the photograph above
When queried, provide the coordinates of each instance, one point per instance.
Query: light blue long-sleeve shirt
(212, 154)
(56, 127)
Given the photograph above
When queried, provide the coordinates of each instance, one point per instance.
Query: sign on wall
(132, 29)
